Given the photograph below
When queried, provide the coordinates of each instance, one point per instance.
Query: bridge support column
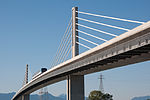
(75, 83)
(75, 87)
(26, 97)
(75, 46)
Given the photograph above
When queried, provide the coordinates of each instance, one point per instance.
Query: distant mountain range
(141, 98)
(8, 96)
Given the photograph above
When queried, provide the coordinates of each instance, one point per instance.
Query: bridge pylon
(26, 96)
(75, 83)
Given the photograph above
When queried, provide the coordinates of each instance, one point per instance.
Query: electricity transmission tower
(43, 94)
(101, 88)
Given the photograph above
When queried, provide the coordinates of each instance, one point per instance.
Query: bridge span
(129, 48)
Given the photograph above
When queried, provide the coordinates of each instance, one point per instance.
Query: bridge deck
(128, 48)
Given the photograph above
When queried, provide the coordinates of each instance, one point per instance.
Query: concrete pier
(75, 87)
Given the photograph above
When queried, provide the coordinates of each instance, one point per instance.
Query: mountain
(63, 96)
(141, 98)
(8, 96)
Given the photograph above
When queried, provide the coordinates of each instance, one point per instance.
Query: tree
(107, 97)
(98, 95)
(95, 95)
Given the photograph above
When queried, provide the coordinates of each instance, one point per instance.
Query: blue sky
(30, 32)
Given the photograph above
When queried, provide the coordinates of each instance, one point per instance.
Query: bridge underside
(137, 55)
(130, 57)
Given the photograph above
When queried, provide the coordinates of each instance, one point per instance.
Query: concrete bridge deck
(128, 48)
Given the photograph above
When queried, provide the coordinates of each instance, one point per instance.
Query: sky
(30, 33)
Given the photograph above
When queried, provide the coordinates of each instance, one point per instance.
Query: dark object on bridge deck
(43, 70)
(39, 72)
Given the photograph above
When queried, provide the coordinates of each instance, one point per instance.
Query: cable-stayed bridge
(106, 50)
